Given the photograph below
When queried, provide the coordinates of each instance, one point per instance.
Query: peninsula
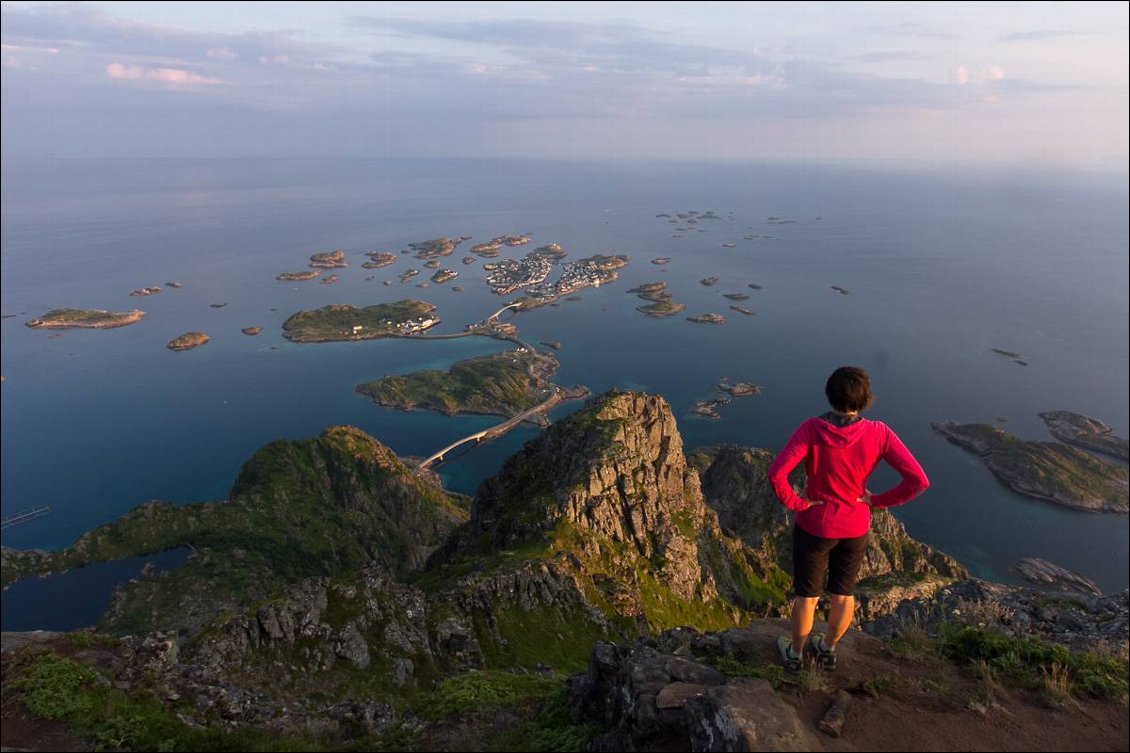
(1086, 432)
(1044, 470)
(85, 318)
(342, 322)
(188, 341)
(503, 384)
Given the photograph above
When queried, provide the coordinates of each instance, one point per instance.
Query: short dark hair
(849, 389)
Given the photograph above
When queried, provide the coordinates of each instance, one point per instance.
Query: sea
(940, 266)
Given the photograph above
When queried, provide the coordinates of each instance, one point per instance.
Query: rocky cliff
(324, 506)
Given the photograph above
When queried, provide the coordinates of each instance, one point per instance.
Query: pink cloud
(960, 75)
(274, 59)
(172, 76)
(221, 53)
(993, 73)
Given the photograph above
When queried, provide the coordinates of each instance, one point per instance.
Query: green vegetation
(1027, 661)
(314, 507)
(556, 637)
(90, 318)
(499, 384)
(343, 322)
(483, 691)
(62, 689)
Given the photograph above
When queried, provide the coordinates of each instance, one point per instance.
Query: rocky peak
(615, 469)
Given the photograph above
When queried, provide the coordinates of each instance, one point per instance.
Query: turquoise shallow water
(940, 268)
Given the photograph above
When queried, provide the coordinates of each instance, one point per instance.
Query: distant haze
(912, 84)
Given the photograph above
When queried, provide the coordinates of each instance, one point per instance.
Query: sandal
(789, 658)
(826, 658)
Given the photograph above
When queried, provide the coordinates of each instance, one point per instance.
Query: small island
(707, 319)
(503, 384)
(753, 286)
(433, 264)
(341, 322)
(330, 279)
(443, 275)
(469, 260)
(708, 281)
(328, 260)
(378, 259)
(841, 291)
(1044, 470)
(739, 389)
(85, 319)
(1086, 432)
(251, 330)
(188, 341)
(736, 296)
(175, 285)
(742, 310)
(217, 305)
(662, 303)
(709, 408)
(661, 260)
(143, 292)
(435, 248)
(308, 274)
(555, 344)
(408, 274)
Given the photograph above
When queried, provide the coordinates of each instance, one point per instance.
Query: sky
(1011, 83)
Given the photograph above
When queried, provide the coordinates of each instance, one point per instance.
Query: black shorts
(815, 557)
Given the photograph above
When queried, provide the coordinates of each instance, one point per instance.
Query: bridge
(498, 313)
(495, 431)
(24, 517)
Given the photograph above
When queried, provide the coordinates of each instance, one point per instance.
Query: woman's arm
(914, 480)
(795, 451)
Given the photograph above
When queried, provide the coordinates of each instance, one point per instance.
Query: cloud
(892, 56)
(175, 77)
(909, 29)
(280, 59)
(1041, 35)
(960, 75)
(221, 53)
(993, 73)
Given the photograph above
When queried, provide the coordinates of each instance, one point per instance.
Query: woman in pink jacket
(840, 450)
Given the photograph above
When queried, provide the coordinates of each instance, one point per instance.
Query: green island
(339, 322)
(85, 318)
(1044, 470)
(503, 384)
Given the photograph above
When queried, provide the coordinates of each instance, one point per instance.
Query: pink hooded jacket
(838, 461)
